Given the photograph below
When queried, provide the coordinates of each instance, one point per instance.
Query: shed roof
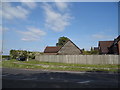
(51, 49)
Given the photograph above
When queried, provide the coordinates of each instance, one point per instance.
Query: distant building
(104, 46)
(96, 49)
(69, 48)
(110, 47)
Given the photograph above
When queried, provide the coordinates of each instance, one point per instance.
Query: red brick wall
(119, 47)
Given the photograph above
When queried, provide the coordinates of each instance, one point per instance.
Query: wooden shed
(69, 48)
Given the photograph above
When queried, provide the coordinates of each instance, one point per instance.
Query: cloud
(61, 6)
(101, 36)
(2, 29)
(54, 20)
(27, 0)
(30, 5)
(97, 36)
(5, 28)
(11, 12)
(32, 34)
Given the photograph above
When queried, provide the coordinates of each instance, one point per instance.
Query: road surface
(22, 78)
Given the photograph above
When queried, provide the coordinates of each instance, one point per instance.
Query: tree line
(14, 54)
(91, 52)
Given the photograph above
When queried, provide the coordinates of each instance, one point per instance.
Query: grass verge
(32, 64)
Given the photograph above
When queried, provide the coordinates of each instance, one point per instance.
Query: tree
(18, 53)
(22, 54)
(83, 49)
(92, 52)
(62, 41)
(92, 49)
(14, 54)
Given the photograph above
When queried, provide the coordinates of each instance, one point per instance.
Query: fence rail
(80, 59)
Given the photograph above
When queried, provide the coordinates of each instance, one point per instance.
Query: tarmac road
(22, 78)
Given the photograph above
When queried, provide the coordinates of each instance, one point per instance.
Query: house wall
(69, 49)
(119, 47)
(80, 59)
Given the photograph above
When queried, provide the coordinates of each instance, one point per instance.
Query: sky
(34, 25)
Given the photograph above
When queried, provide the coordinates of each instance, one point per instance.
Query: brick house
(115, 47)
(69, 48)
(109, 47)
(104, 46)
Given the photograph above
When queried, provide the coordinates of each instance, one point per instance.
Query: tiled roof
(51, 49)
(104, 45)
(117, 40)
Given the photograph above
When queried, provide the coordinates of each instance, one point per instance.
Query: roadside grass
(33, 64)
(11, 64)
(76, 65)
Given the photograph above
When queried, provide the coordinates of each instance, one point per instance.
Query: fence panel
(80, 59)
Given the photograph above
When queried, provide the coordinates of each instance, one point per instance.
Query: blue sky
(33, 26)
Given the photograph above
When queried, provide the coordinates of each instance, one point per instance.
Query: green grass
(11, 64)
(77, 65)
(56, 66)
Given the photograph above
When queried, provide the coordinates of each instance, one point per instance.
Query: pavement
(27, 78)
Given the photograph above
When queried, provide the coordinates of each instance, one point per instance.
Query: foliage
(94, 52)
(91, 52)
(32, 56)
(5, 56)
(92, 49)
(18, 53)
(83, 49)
(23, 53)
(86, 52)
(13, 54)
(62, 41)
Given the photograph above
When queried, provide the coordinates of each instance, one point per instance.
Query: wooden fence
(80, 59)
